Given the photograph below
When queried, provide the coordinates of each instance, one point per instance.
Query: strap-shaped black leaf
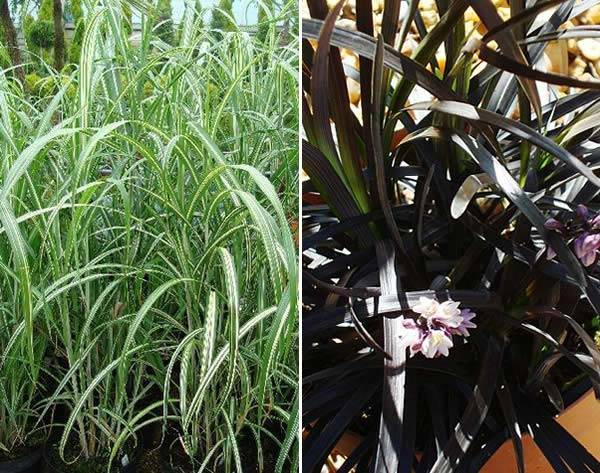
(486, 10)
(365, 45)
(521, 70)
(320, 447)
(391, 422)
(506, 182)
(512, 421)
(475, 413)
(514, 127)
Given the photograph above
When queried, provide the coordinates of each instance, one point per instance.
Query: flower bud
(582, 211)
(553, 224)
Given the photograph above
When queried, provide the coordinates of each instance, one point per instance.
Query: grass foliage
(148, 269)
(464, 195)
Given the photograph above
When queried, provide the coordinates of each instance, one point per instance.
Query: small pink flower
(426, 307)
(585, 235)
(435, 343)
(431, 332)
(586, 247)
(467, 315)
(412, 336)
(448, 314)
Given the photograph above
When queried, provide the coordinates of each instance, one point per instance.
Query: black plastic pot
(53, 468)
(174, 460)
(29, 463)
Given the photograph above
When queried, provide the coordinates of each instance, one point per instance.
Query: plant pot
(345, 446)
(52, 466)
(581, 419)
(173, 460)
(29, 463)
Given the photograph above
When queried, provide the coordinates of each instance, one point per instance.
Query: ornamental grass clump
(148, 268)
(435, 327)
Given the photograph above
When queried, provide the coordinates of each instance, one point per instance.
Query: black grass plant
(485, 196)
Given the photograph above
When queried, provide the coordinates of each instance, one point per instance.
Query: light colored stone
(476, 33)
(349, 9)
(430, 18)
(504, 13)
(409, 195)
(353, 91)
(469, 27)
(470, 15)
(572, 47)
(593, 15)
(515, 113)
(350, 15)
(332, 3)
(351, 59)
(346, 24)
(558, 57)
(577, 67)
(410, 45)
(427, 5)
(590, 48)
(345, 52)
(377, 19)
(569, 57)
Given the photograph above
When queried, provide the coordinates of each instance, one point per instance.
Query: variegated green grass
(149, 273)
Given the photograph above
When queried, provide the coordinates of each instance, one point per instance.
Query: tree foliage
(222, 16)
(8, 35)
(76, 10)
(45, 11)
(165, 30)
(41, 34)
(75, 46)
(265, 12)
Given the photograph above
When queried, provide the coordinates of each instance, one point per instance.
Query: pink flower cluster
(432, 331)
(584, 231)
